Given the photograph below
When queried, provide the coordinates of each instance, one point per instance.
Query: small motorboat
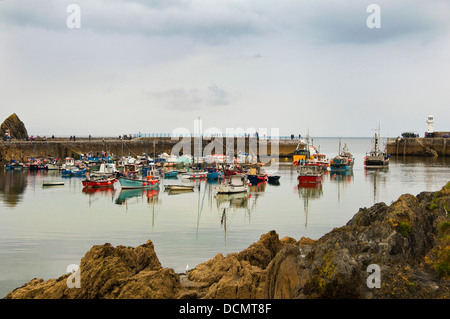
(194, 175)
(178, 187)
(274, 179)
(170, 174)
(52, 183)
(234, 185)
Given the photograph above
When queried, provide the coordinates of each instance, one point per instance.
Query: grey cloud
(182, 99)
(319, 22)
(211, 24)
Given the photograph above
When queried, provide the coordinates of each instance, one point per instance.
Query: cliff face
(15, 127)
(408, 241)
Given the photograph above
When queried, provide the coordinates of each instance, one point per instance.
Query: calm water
(43, 230)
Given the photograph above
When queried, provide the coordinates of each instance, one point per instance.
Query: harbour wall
(153, 146)
(418, 146)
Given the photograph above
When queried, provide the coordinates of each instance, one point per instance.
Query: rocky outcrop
(408, 242)
(14, 127)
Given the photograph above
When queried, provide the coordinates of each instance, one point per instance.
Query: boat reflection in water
(308, 191)
(341, 179)
(12, 186)
(126, 194)
(378, 178)
(229, 205)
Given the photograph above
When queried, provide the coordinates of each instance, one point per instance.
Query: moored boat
(273, 179)
(376, 158)
(106, 169)
(255, 175)
(170, 174)
(52, 183)
(74, 172)
(309, 174)
(130, 183)
(178, 187)
(344, 161)
(194, 175)
(232, 186)
(214, 174)
(99, 182)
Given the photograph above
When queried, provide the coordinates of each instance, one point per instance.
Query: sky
(287, 66)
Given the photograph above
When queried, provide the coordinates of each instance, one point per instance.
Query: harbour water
(45, 229)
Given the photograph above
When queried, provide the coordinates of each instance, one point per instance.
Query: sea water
(45, 229)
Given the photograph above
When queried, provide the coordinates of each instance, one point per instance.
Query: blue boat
(215, 174)
(256, 176)
(171, 174)
(131, 183)
(342, 162)
(74, 172)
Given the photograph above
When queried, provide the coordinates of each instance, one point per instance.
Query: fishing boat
(301, 152)
(194, 175)
(36, 164)
(69, 163)
(74, 172)
(130, 170)
(233, 185)
(99, 182)
(309, 174)
(53, 166)
(255, 175)
(376, 158)
(13, 164)
(106, 169)
(307, 154)
(343, 161)
(130, 183)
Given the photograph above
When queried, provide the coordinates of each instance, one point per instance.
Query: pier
(418, 146)
(153, 146)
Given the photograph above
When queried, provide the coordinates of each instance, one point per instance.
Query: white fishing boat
(68, 164)
(106, 169)
(376, 158)
(194, 175)
(234, 185)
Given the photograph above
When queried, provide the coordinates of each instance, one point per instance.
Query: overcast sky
(154, 66)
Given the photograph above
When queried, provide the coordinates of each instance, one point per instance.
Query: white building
(430, 122)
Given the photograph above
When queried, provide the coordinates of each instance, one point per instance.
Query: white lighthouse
(430, 122)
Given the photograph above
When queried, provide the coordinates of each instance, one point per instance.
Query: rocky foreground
(408, 241)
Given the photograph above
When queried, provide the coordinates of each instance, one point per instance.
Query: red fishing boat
(100, 182)
(309, 174)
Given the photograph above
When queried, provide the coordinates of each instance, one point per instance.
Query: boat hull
(194, 175)
(313, 179)
(98, 183)
(128, 183)
(75, 172)
(376, 161)
(256, 179)
(341, 167)
(231, 189)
